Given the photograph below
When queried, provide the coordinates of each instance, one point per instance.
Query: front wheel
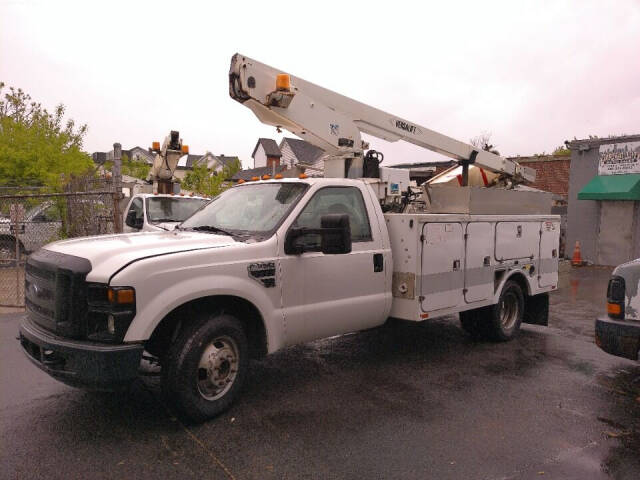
(206, 367)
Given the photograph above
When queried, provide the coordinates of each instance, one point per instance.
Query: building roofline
(587, 143)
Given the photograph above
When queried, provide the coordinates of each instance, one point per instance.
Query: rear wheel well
(519, 278)
(170, 326)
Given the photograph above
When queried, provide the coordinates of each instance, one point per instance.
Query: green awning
(612, 187)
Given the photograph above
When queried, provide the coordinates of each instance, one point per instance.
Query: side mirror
(334, 231)
(132, 221)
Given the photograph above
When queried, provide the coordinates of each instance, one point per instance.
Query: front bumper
(90, 365)
(618, 337)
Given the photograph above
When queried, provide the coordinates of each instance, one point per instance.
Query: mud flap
(536, 309)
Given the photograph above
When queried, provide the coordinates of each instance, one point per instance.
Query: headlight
(615, 297)
(111, 310)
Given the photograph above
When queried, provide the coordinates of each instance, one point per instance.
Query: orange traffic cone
(576, 261)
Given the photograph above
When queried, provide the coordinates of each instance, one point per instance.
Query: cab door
(325, 295)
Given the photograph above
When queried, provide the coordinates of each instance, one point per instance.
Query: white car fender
(152, 312)
(165, 282)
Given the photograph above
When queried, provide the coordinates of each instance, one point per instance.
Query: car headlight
(111, 311)
(615, 297)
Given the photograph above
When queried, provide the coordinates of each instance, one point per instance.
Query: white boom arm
(334, 122)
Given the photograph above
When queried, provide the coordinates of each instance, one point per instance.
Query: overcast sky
(532, 73)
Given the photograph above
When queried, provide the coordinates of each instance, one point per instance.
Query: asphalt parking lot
(405, 402)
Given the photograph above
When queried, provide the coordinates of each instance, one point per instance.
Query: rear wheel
(500, 322)
(505, 317)
(206, 367)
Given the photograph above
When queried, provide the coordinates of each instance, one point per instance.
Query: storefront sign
(619, 158)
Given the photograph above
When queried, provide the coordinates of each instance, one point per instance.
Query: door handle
(378, 262)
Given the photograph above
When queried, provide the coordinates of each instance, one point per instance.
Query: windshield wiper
(212, 229)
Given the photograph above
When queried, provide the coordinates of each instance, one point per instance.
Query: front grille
(56, 292)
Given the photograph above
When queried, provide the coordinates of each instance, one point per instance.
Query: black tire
(504, 318)
(199, 392)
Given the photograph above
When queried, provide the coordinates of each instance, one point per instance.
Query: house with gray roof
(213, 162)
(296, 152)
(266, 153)
(137, 154)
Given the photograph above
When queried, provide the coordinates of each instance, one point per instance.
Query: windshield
(251, 209)
(172, 209)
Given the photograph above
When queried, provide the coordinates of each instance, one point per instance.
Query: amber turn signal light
(614, 309)
(121, 296)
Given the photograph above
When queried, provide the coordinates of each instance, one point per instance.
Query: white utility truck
(154, 212)
(276, 262)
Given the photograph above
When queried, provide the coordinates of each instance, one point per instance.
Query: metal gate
(30, 219)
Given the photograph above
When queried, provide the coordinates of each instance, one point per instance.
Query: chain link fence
(33, 217)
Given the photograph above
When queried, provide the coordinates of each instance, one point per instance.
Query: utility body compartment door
(517, 240)
(478, 271)
(442, 279)
(549, 242)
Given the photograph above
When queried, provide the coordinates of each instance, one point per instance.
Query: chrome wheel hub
(509, 310)
(218, 368)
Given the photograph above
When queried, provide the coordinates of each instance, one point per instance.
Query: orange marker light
(266, 177)
(614, 309)
(121, 296)
(240, 181)
(303, 176)
(254, 179)
(278, 176)
(185, 148)
(155, 146)
(283, 82)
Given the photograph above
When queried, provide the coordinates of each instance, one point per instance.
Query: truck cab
(157, 212)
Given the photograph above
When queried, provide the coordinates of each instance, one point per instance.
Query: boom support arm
(334, 122)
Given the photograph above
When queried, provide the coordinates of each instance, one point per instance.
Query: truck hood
(109, 253)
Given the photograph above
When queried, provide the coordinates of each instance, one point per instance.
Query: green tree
(203, 181)
(135, 168)
(562, 150)
(37, 147)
